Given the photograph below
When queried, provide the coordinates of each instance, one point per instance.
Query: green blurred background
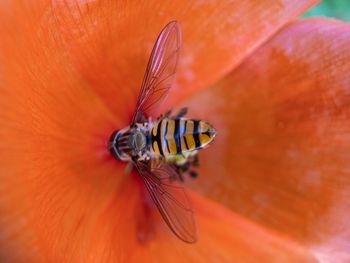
(339, 9)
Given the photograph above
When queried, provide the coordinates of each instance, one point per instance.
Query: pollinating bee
(164, 149)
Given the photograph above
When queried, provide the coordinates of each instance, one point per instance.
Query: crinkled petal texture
(281, 157)
(118, 36)
(70, 72)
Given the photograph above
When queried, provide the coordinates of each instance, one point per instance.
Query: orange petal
(58, 182)
(223, 237)
(109, 42)
(281, 154)
(55, 171)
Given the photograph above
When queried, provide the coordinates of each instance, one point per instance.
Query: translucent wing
(171, 200)
(160, 71)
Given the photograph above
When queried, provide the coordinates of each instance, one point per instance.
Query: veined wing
(160, 71)
(171, 199)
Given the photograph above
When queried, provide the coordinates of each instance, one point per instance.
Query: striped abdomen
(176, 136)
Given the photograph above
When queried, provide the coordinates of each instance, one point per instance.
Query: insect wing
(160, 71)
(170, 199)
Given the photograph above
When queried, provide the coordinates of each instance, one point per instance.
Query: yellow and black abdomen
(177, 136)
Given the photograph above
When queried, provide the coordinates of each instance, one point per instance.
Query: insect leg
(187, 167)
(165, 115)
(193, 174)
(195, 161)
(182, 112)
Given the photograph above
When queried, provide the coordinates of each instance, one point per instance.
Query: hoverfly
(163, 149)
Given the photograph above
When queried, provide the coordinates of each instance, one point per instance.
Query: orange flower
(273, 187)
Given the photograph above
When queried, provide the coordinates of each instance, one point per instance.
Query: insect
(162, 150)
